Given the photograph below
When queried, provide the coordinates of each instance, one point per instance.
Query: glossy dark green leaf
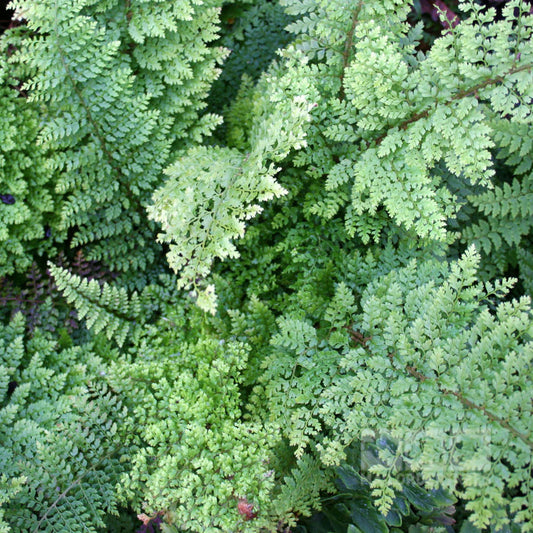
(338, 518)
(418, 497)
(442, 498)
(401, 505)
(367, 518)
(350, 479)
(393, 518)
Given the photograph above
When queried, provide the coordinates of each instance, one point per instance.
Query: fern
(346, 229)
(253, 33)
(60, 451)
(112, 126)
(27, 199)
(501, 222)
(204, 212)
(434, 370)
(103, 306)
(197, 456)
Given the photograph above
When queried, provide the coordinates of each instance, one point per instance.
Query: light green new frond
(104, 307)
(212, 192)
(200, 455)
(200, 215)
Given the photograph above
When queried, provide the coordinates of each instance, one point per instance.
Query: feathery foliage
(103, 306)
(113, 117)
(253, 32)
(60, 448)
(211, 192)
(351, 230)
(434, 386)
(27, 199)
(399, 148)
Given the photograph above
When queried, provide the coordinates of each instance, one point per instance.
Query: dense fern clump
(344, 339)
(197, 458)
(434, 389)
(399, 148)
(112, 126)
(60, 451)
(27, 199)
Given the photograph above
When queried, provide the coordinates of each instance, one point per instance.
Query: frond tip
(103, 306)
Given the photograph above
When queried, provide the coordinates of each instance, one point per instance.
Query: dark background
(5, 15)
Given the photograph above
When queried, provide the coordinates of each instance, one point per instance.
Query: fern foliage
(253, 32)
(112, 126)
(198, 457)
(103, 306)
(342, 344)
(441, 387)
(352, 508)
(400, 146)
(392, 126)
(500, 224)
(27, 198)
(60, 447)
(399, 112)
(203, 213)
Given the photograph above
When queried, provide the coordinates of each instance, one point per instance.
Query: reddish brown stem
(471, 405)
(347, 47)
(462, 94)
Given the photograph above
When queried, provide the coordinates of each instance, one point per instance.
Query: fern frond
(103, 306)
